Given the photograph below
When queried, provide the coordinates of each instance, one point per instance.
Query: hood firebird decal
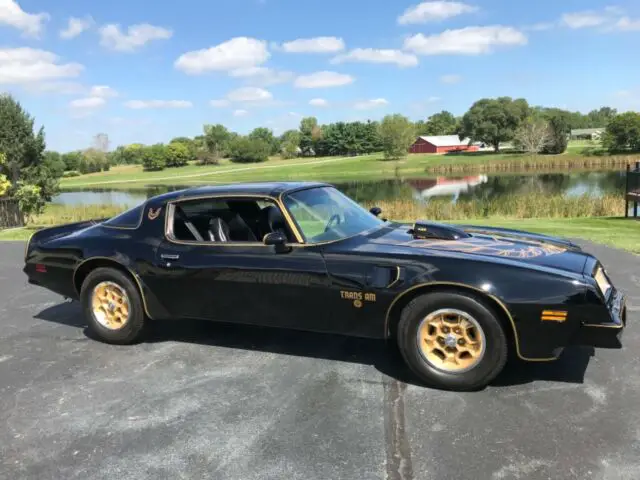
(486, 246)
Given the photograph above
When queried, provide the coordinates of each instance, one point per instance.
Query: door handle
(167, 256)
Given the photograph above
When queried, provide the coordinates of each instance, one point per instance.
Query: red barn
(442, 144)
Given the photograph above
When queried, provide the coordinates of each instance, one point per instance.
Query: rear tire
(112, 306)
(452, 341)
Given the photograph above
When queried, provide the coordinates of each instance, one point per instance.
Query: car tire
(112, 306)
(429, 326)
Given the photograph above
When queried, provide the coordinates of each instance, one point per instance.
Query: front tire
(452, 341)
(112, 306)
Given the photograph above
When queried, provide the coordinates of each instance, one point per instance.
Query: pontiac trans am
(457, 300)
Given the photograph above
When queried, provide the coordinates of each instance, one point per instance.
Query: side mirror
(278, 240)
(375, 211)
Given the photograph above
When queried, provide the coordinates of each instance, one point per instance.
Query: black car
(457, 300)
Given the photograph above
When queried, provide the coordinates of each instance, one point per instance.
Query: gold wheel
(110, 305)
(451, 340)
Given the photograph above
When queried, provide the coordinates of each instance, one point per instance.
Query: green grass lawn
(616, 232)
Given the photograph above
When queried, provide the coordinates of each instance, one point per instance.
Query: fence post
(626, 192)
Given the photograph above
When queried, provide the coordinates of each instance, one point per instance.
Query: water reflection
(474, 187)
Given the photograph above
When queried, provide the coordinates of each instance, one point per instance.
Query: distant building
(587, 133)
(442, 144)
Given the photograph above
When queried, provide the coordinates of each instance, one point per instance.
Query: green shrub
(30, 200)
(178, 155)
(204, 157)
(154, 158)
(248, 150)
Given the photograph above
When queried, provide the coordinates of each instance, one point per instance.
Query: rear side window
(129, 219)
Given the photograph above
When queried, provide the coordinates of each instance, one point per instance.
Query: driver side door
(242, 282)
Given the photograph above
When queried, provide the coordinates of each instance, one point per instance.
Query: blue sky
(148, 71)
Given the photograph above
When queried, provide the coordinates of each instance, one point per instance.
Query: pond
(480, 187)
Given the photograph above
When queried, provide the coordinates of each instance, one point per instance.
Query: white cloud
(136, 37)
(433, 99)
(262, 75)
(466, 41)
(240, 113)
(314, 45)
(323, 79)
(102, 91)
(88, 103)
(451, 79)
(29, 65)
(237, 53)
(76, 26)
(627, 24)
(249, 94)
(434, 12)
(143, 104)
(369, 104)
(12, 15)
(584, 19)
(318, 102)
(371, 55)
(221, 103)
(609, 19)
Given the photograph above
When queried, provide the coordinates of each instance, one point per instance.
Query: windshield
(324, 214)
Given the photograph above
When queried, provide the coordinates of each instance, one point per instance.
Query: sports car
(457, 300)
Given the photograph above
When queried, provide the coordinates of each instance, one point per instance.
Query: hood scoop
(423, 230)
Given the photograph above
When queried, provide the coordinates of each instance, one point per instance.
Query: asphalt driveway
(202, 400)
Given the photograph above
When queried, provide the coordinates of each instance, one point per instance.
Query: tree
(396, 135)
(249, 150)
(533, 135)
(216, 140)
(53, 160)
(290, 144)
(623, 133)
(24, 149)
(559, 132)
(443, 123)
(71, 160)
(601, 117)
(494, 121)
(310, 135)
(266, 135)
(178, 155)
(154, 158)
(96, 160)
(191, 145)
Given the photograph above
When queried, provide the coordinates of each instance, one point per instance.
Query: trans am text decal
(358, 297)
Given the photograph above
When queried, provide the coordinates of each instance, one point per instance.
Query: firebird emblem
(153, 214)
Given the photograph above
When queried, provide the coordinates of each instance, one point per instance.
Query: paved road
(201, 400)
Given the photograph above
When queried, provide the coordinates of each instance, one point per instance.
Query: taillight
(40, 268)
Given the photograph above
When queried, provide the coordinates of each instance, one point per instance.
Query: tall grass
(511, 206)
(59, 214)
(533, 163)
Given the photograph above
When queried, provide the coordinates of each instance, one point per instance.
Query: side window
(129, 219)
(223, 220)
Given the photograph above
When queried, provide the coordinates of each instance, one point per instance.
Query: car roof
(268, 189)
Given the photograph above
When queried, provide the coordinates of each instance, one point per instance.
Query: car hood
(525, 247)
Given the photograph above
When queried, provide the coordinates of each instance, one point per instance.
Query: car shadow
(381, 354)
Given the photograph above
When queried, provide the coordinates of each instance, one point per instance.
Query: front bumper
(606, 335)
